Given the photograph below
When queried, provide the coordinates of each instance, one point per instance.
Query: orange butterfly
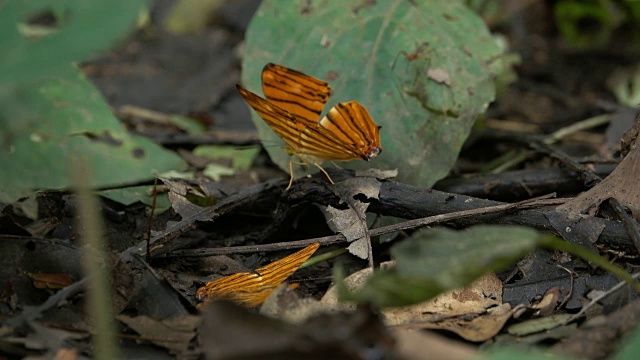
(292, 109)
(252, 289)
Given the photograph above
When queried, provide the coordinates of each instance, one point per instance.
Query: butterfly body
(292, 108)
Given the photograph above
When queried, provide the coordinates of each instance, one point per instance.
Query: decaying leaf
(352, 222)
(475, 312)
(347, 222)
(174, 334)
(621, 184)
(50, 281)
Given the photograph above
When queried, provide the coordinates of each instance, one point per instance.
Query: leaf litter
(155, 305)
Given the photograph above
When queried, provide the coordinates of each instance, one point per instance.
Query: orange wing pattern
(299, 94)
(292, 109)
(252, 289)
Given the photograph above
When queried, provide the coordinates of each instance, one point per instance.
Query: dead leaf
(547, 305)
(347, 222)
(476, 312)
(359, 248)
(621, 184)
(367, 186)
(50, 281)
(377, 173)
(174, 334)
(66, 354)
(417, 345)
(178, 192)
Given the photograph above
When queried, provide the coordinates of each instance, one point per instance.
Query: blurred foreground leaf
(435, 260)
(432, 261)
(49, 111)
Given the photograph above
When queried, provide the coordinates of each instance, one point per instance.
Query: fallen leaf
(50, 281)
(174, 334)
(476, 312)
(347, 222)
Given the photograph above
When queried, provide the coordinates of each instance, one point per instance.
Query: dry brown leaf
(50, 281)
(174, 334)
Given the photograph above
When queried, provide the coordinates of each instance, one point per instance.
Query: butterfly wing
(240, 288)
(275, 273)
(351, 123)
(287, 126)
(303, 138)
(252, 289)
(292, 109)
(301, 95)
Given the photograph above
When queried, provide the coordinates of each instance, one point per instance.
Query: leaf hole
(42, 23)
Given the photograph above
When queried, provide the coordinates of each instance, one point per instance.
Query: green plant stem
(94, 261)
(515, 157)
(326, 256)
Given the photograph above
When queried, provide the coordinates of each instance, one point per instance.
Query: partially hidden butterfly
(252, 289)
(292, 109)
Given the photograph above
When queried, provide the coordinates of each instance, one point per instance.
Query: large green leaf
(50, 115)
(435, 260)
(83, 27)
(424, 69)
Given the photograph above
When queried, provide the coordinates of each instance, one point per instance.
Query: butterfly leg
(291, 162)
(336, 165)
(290, 173)
(324, 172)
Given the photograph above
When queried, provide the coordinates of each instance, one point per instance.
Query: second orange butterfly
(292, 109)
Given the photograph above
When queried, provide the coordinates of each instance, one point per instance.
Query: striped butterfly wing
(275, 273)
(301, 95)
(241, 288)
(351, 123)
(282, 122)
(292, 109)
(301, 136)
(252, 289)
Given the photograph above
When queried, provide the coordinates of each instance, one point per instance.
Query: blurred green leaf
(187, 124)
(50, 115)
(216, 171)
(591, 24)
(630, 346)
(190, 16)
(242, 159)
(82, 28)
(423, 69)
(455, 258)
(434, 260)
(133, 194)
(624, 83)
(584, 24)
(537, 325)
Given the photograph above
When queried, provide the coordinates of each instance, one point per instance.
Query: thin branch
(339, 238)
